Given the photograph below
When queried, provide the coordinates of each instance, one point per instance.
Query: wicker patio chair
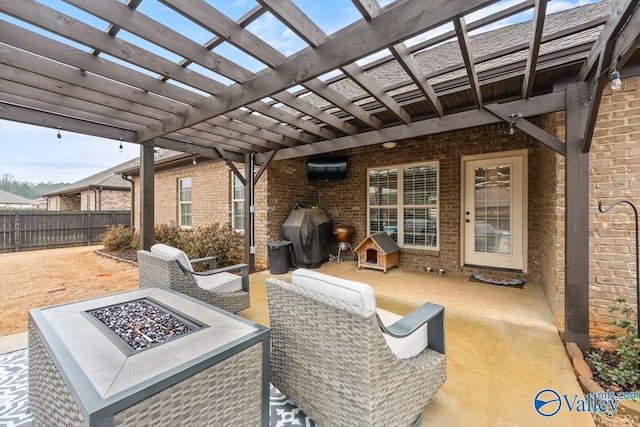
(167, 266)
(331, 358)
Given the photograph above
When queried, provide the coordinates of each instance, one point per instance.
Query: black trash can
(279, 256)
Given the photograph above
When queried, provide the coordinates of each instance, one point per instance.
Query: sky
(35, 154)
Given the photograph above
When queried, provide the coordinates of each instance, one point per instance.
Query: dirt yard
(34, 279)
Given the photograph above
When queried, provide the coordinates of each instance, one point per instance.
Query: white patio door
(494, 210)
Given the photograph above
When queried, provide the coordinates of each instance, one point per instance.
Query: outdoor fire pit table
(147, 357)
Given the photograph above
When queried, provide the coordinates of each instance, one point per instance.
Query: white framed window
(237, 202)
(184, 202)
(403, 201)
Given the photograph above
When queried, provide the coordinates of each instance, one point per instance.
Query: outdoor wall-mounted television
(327, 168)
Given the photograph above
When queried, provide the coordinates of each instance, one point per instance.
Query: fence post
(88, 228)
(16, 233)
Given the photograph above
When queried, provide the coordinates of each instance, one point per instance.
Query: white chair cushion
(221, 283)
(406, 347)
(173, 253)
(352, 292)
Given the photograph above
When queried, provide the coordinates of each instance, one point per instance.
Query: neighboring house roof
(109, 179)
(162, 158)
(7, 198)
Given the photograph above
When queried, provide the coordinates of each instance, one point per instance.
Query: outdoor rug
(497, 280)
(14, 399)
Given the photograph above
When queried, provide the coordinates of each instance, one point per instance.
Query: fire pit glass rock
(141, 324)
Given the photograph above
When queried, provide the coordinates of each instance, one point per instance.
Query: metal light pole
(635, 211)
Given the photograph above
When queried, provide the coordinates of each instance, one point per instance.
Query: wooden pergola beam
(398, 23)
(539, 12)
(527, 127)
(534, 106)
(607, 58)
(467, 57)
(617, 19)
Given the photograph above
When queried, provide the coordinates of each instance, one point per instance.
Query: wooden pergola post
(576, 288)
(147, 195)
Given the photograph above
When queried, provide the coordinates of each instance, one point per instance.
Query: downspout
(252, 211)
(97, 203)
(133, 197)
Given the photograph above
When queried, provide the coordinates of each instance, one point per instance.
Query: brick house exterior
(615, 173)
(104, 191)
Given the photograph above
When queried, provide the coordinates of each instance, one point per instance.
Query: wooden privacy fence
(26, 230)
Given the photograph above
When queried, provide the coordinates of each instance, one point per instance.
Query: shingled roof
(109, 179)
(7, 198)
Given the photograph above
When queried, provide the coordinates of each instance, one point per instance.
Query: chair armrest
(243, 267)
(430, 314)
(205, 259)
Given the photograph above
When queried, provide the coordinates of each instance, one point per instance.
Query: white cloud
(274, 33)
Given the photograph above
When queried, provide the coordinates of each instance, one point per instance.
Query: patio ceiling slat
(302, 25)
(371, 9)
(284, 116)
(60, 87)
(397, 23)
(541, 104)
(248, 129)
(55, 50)
(534, 47)
(467, 56)
(68, 75)
(621, 13)
(336, 98)
(46, 101)
(291, 136)
(161, 35)
(26, 115)
(210, 18)
(249, 142)
(209, 139)
(403, 55)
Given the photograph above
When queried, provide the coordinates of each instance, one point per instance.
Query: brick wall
(551, 216)
(115, 200)
(105, 200)
(614, 175)
(345, 201)
(210, 199)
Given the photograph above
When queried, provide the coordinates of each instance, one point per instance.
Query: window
(184, 202)
(403, 202)
(237, 202)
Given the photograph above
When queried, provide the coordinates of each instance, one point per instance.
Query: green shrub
(627, 372)
(120, 238)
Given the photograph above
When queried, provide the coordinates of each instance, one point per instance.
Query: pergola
(61, 72)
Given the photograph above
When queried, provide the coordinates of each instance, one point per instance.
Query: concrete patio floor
(502, 345)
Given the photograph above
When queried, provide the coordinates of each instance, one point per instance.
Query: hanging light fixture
(616, 81)
(121, 149)
(193, 161)
(59, 135)
(512, 122)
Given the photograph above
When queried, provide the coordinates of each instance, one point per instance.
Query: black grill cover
(309, 231)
